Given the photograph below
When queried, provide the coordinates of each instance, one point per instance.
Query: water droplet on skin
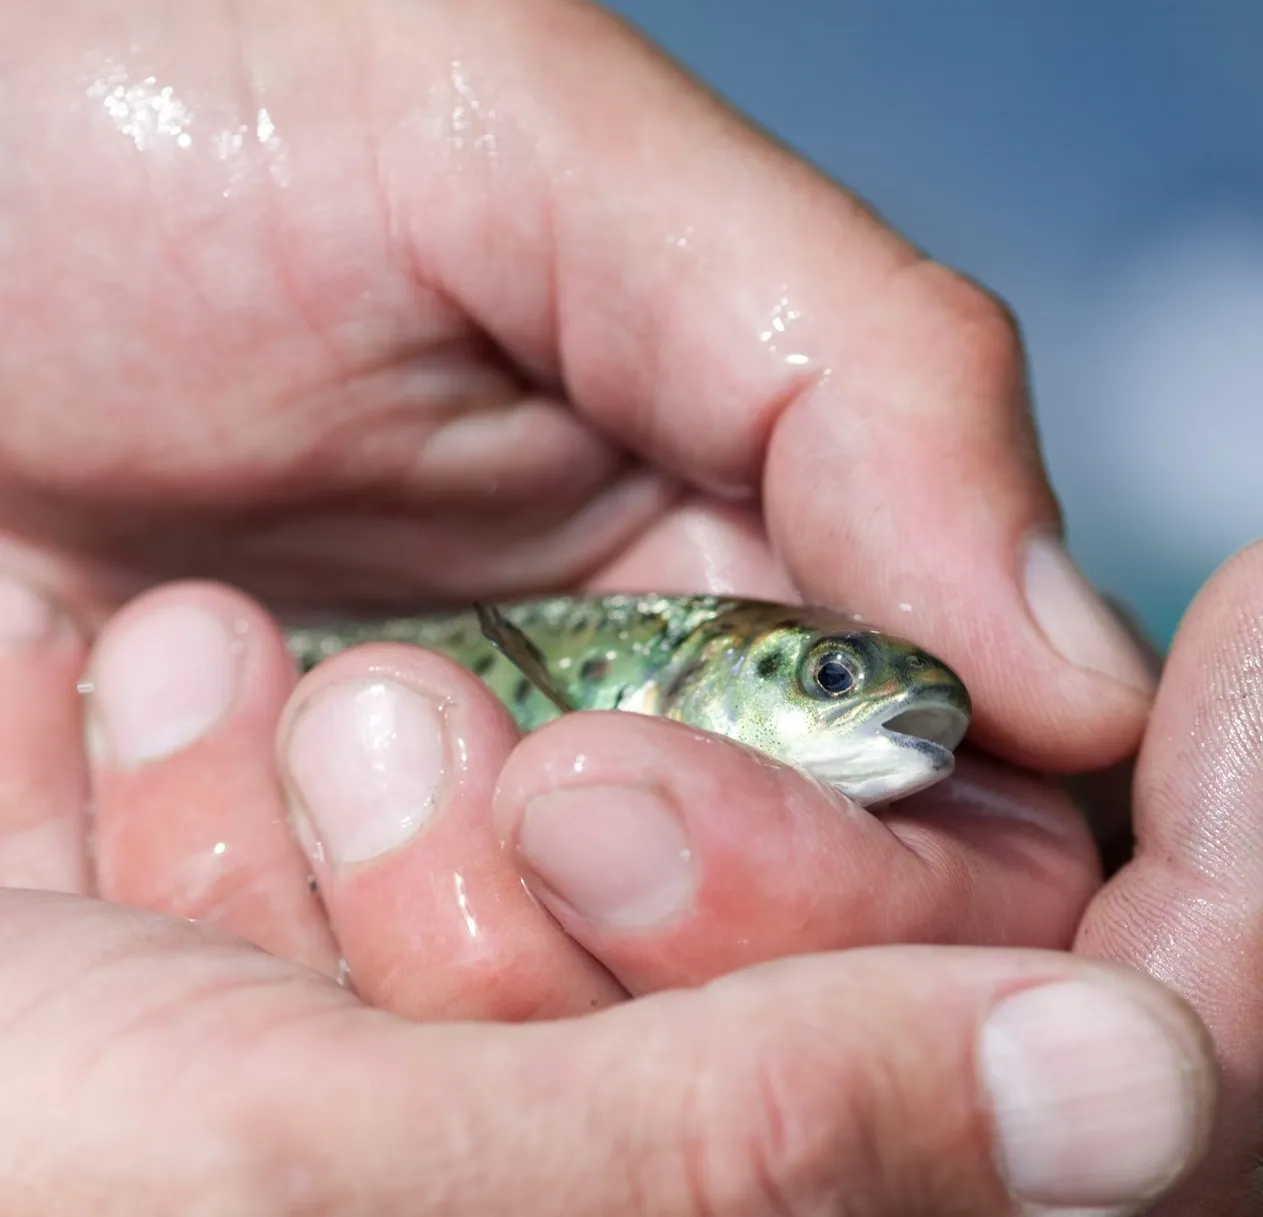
(227, 144)
(229, 147)
(776, 336)
(462, 903)
(682, 239)
(461, 746)
(147, 113)
(470, 119)
(271, 143)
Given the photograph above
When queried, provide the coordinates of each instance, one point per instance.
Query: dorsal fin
(520, 651)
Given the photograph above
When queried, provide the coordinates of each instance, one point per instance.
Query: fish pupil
(834, 677)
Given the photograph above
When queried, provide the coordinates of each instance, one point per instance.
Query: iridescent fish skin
(871, 714)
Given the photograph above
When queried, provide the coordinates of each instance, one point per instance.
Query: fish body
(867, 712)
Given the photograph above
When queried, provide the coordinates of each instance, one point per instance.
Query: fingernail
(1093, 1101)
(616, 856)
(366, 762)
(25, 616)
(1131, 625)
(1075, 620)
(161, 680)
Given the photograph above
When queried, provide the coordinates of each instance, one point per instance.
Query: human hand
(372, 302)
(325, 406)
(436, 926)
(1188, 907)
(155, 1068)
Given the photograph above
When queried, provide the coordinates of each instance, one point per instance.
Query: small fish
(868, 713)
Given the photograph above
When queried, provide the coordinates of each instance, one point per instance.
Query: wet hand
(157, 1068)
(375, 302)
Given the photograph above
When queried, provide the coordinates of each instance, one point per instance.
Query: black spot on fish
(484, 663)
(522, 690)
(596, 668)
(768, 666)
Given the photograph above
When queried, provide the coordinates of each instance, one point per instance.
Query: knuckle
(985, 338)
(784, 1140)
(969, 345)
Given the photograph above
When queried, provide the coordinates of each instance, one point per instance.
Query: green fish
(873, 715)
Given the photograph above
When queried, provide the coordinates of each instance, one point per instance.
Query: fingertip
(169, 666)
(928, 423)
(1077, 621)
(1032, 1078)
(186, 684)
(390, 755)
(1131, 1059)
(1185, 907)
(674, 856)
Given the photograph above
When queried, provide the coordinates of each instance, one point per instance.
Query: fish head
(869, 713)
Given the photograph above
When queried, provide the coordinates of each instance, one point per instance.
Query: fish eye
(834, 675)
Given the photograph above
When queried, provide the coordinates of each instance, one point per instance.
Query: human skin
(372, 302)
(436, 924)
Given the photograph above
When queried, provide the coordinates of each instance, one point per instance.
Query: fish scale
(596, 649)
(884, 725)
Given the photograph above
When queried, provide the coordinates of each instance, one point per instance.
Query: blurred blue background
(1100, 166)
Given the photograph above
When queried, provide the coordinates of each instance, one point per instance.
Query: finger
(43, 774)
(701, 546)
(676, 857)
(1104, 795)
(1189, 907)
(706, 298)
(1028, 1078)
(188, 683)
(391, 756)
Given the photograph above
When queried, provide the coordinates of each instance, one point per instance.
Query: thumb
(155, 1069)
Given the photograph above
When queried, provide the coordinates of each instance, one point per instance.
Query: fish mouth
(910, 749)
(932, 729)
(926, 737)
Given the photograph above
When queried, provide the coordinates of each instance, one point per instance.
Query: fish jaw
(891, 758)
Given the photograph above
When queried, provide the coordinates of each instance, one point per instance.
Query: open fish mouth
(891, 758)
(933, 730)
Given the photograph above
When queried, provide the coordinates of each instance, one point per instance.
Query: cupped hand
(387, 301)
(655, 856)
(1188, 907)
(372, 303)
(155, 1068)
(429, 913)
